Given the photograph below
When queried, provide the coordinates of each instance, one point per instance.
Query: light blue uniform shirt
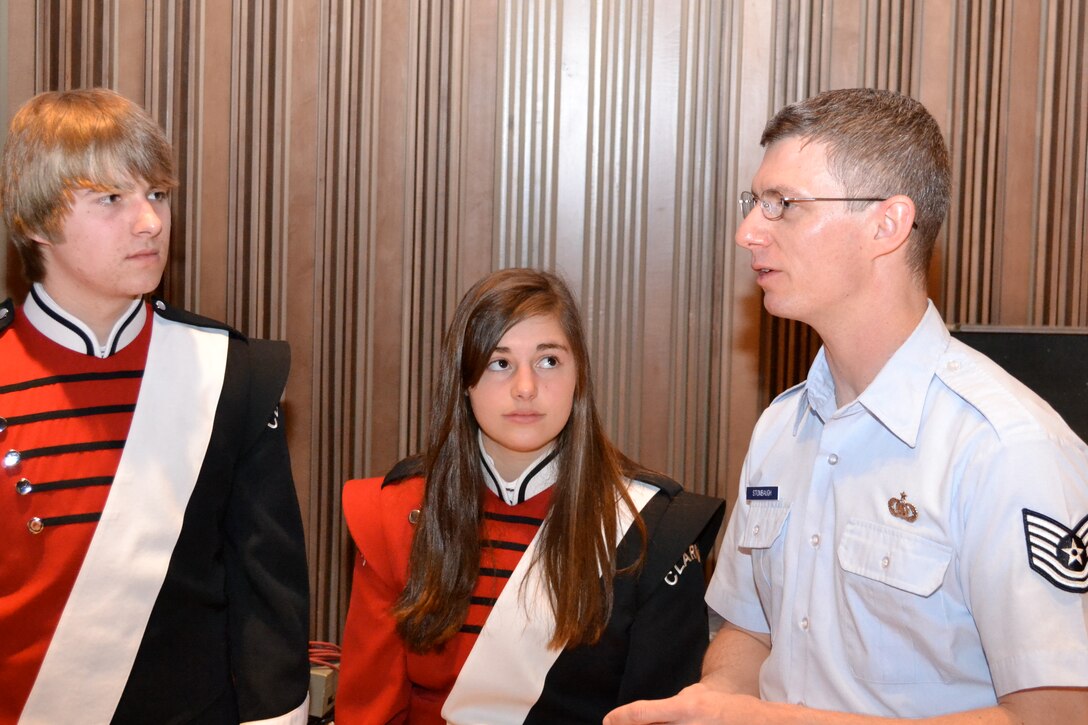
(872, 612)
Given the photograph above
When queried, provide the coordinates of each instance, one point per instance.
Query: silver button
(23, 487)
(886, 562)
(3, 424)
(12, 458)
(804, 623)
(413, 516)
(160, 305)
(815, 540)
(35, 525)
(833, 459)
(3, 312)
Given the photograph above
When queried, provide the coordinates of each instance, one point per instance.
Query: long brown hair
(577, 549)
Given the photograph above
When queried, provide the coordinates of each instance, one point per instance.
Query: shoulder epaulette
(636, 472)
(789, 391)
(1008, 406)
(177, 314)
(410, 467)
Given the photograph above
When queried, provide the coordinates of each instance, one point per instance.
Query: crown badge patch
(1057, 553)
(900, 509)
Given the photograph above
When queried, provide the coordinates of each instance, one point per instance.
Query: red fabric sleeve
(374, 686)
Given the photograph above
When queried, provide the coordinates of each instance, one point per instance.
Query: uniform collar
(69, 331)
(897, 396)
(537, 477)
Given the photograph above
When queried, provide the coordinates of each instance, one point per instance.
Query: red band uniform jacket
(190, 603)
(652, 646)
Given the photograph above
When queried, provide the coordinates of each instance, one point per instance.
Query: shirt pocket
(766, 523)
(895, 617)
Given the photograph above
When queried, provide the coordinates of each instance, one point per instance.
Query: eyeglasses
(774, 205)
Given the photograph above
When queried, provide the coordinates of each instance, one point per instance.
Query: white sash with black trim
(515, 638)
(91, 654)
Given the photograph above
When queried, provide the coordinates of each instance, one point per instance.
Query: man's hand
(700, 705)
(727, 694)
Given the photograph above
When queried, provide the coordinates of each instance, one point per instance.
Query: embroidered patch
(1056, 552)
(692, 554)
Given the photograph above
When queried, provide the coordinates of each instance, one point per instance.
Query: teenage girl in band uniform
(521, 569)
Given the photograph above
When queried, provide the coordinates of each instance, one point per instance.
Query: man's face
(810, 262)
(112, 249)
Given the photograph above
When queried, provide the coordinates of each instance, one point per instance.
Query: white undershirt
(538, 476)
(67, 330)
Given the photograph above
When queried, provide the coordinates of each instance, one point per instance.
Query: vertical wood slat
(1078, 229)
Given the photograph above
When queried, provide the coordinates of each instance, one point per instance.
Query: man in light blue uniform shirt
(909, 538)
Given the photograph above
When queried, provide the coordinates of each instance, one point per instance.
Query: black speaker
(1052, 361)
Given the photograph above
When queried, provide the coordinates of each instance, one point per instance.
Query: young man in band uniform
(153, 565)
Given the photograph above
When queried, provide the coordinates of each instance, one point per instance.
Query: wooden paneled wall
(349, 168)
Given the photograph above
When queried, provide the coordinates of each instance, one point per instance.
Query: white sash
(504, 674)
(90, 656)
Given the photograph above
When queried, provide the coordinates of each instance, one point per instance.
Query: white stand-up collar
(69, 331)
(537, 477)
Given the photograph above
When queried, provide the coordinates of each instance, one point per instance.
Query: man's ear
(38, 238)
(895, 223)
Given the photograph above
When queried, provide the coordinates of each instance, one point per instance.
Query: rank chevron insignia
(1057, 553)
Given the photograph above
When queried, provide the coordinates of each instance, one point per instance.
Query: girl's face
(524, 398)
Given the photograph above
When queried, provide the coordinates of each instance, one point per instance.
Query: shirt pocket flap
(765, 521)
(894, 557)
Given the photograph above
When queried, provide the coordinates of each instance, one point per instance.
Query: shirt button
(803, 623)
(833, 459)
(755, 529)
(885, 562)
(815, 540)
(11, 459)
(953, 365)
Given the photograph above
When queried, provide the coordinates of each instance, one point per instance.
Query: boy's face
(112, 249)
